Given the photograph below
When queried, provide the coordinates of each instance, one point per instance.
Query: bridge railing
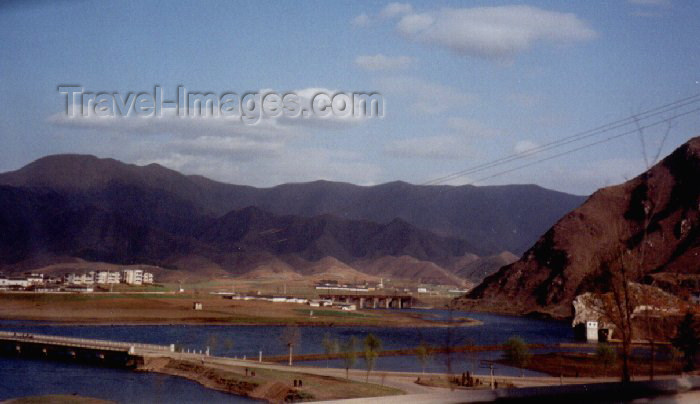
(82, 342)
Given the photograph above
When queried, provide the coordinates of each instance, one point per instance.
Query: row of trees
(686, 345)
(348, 350)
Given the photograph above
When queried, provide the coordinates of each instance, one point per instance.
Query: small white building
(147, 278)
(20, 282)
(79, 288)
(347, 306)
(591, 331)
(35, 278)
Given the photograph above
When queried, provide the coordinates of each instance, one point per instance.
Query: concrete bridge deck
(370, 300)
(84, 343)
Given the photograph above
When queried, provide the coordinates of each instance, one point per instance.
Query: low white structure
(346, 306)
(35, 278)
(79, 288)
(21, 282)
(591, 331)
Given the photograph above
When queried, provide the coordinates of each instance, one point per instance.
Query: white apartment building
(81, 279)
(136, 277)
(107, 277)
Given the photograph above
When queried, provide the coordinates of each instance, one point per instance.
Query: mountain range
(105, 210)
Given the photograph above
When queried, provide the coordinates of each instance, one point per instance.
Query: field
(177, 308)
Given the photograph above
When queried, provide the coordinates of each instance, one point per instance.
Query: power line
(600, 130)
(586, 145)
(620, 123)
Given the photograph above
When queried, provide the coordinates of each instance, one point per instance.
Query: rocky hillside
(651, 223)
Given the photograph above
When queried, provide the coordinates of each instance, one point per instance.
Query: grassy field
(177, 308)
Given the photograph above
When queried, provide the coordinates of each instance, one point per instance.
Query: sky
(463, 84)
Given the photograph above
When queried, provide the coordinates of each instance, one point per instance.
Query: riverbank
(267, 384)
(577, 364)
(157, 309)
(56, 399)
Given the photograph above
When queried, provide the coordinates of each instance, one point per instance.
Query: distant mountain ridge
(492, 218)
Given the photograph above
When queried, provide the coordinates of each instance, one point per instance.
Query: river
(20, 377)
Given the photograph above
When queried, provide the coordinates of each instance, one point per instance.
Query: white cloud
(424, 96)
(496, 33)
(361, 20)
(382, 62)
(288, 165)
(471, 128)
(524, 146)
(395, 9)
(430, 147)
(196, 139)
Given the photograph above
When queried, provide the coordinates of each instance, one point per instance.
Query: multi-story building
(147, 278)
(80, 279)
(107, 277)
(132, 276)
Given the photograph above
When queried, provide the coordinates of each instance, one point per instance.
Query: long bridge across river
(373, 301)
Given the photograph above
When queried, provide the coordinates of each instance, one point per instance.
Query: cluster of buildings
(135, 277)
(74, 282)
(332, 285)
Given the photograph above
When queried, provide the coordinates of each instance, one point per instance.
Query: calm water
(24, 377)
(29, 377)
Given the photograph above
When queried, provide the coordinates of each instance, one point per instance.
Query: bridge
(372, 301)
(109, 353)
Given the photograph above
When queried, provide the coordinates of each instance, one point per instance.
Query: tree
(606, 356)
(687, 341)
(625, 265)
(212, 342)
(291, 336)
(348, 353)
(424, 353)
(373, 346)
(619, 306)
(330, 346)
(517, 352)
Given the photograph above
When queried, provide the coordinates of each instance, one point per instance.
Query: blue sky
(464, 83)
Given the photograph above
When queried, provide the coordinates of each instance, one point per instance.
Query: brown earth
(587, 365)
(105, 308)
(568, 259)
(271, 385)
